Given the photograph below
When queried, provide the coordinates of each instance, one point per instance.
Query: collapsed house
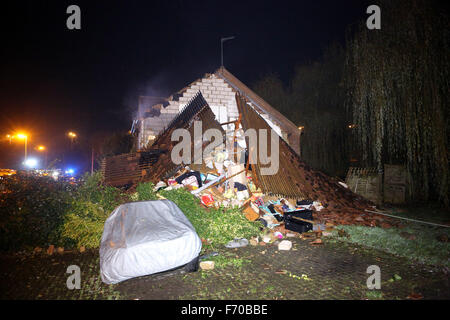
(232, 174)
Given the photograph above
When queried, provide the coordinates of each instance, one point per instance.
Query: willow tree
(272, 89)
(397, 80)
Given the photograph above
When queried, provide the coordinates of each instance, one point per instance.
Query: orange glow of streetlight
(23, 136)
(72, 135)
(43, 149)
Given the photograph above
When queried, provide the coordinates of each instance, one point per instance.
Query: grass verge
(416, 242)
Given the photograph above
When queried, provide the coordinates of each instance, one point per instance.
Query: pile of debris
(295, 198)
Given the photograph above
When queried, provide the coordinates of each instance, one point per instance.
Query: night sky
(53, 79)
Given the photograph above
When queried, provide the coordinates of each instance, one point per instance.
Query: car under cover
(146, 237)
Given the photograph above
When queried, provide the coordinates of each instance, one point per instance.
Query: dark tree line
(392, 85)
(315, 100)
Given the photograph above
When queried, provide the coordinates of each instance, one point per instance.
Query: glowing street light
(23, 136)
(42, 148)
(72, 135)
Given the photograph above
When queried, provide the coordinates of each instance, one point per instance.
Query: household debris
(278, 235)
(267, 239)
(316, 242)
(207, 265)
(285, 245)
(205, 256)
(290, 235)
(237, 243)
(254, 241)
(51, 249)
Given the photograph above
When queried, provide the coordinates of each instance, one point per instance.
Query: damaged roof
(261, 106)
(196, 110)
(295, 179)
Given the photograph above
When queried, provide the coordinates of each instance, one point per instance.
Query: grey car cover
(142, 238)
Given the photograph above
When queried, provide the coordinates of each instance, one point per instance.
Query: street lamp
(222, 40)
(23, 136)
(72, 135)
(43, 149)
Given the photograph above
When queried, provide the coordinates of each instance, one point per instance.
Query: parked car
(147, 237)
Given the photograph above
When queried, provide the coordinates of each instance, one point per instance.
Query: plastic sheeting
(142, 238)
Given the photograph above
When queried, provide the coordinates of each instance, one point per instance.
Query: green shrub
(145, 191)
(218, 225)
(92, 189)
(92, 203)
(84, 225)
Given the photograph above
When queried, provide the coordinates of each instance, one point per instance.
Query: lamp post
(43, 149)
(72, 135)
(24, 137)
(222, 40)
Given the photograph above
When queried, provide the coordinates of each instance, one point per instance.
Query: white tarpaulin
(142, 238)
